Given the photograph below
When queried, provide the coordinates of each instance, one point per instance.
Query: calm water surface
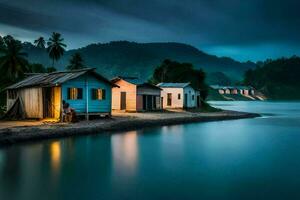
(240, 159)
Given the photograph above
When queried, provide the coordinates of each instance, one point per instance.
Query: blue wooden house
(40, 95)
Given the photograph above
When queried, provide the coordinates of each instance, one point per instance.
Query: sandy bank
(13, 132)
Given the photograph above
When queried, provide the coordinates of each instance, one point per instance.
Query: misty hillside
(139, 59)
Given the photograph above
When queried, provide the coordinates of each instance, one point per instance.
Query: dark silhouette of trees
(175, 72)
(278, 79)
(76, 62)
(56, 47)
(50, 69)
(40, 43)
(13, 62)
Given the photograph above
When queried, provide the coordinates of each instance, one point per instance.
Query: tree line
(278, 79)
(175, 72)
(14, 63)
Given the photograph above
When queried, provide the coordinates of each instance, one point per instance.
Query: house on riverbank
(234, 90)
(179, 95)
(40, 95)
(135, 95)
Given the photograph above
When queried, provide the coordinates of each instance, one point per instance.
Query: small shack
(234, 90)
(134, 95)
(40, 95)
(179, 95)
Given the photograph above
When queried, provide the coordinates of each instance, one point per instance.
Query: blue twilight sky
(244, 30)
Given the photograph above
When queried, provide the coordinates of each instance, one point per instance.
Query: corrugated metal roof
(54, 78)
(173, 85)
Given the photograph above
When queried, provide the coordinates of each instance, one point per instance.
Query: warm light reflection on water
(125, 152)
(237, 159)
(55, 154)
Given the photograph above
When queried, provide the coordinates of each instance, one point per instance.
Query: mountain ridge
(140, 59)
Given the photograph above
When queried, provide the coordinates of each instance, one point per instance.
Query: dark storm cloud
(230, 25)
(37, 20)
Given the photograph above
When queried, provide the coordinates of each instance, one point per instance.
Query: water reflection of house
(125, 152)
(134, 95)
(40, 95)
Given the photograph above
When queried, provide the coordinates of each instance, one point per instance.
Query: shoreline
(118, 123)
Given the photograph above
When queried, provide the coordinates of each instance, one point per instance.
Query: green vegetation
(175, 72)
(56, 47)
(39, 68)
(219, 78)
(214, 95)
(205, 108)
(40, 43)
(139, 59)
(76, 62)
(14, 61)
(277, 79)
(208, 108)
(13, 65)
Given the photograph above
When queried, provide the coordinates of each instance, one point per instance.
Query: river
(238, 159)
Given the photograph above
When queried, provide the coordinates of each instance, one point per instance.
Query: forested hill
(140, 59)
(277, 79)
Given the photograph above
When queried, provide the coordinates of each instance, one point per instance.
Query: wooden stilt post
(87, 97)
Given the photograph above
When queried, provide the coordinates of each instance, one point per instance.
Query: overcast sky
(241, 29)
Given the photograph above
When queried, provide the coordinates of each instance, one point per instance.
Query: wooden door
(149, 102)
(169, 99)
(123, 100)
(144, 102)
(47, 108)
(185, 102)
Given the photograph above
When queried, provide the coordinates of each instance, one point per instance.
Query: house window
(179, 96)
(12, 94)
(98, 94)
(193, 97)
(74, 93)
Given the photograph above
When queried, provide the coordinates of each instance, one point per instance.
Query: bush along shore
(14, 132)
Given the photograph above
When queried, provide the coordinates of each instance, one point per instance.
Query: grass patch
(208, 108)
(205, 108)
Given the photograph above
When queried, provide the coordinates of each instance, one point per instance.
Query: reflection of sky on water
(1, 161)
(171, 144)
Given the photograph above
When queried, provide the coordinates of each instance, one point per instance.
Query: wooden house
(246, 90)
(134, 95)
(41, 95)
(179, 95)
(233, 90)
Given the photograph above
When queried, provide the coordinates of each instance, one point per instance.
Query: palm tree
(13, 62)
(56, 47)
(76, 62)
(40, 43)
